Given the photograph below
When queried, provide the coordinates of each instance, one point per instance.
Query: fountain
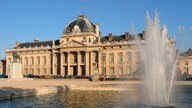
(158, 62)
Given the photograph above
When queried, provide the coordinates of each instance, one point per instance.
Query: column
(78, 63)
(62, 62)
(68, 63)
(87, 63)
(91, 63)
(54, 72)
(99, 62)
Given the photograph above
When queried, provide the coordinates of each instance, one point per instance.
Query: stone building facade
(81, 50)
(1, 68)
(185, 62)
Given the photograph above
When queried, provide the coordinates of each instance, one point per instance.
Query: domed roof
(82, 24)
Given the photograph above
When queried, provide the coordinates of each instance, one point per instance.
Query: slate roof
(85, 25)
(49, 43)
(38, 44)
(186, 54)
(118, 38)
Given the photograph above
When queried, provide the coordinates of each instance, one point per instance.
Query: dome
(81, 24)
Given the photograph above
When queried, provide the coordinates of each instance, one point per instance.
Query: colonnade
(76, 63)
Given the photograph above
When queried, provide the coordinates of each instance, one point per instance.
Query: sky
(25, 20)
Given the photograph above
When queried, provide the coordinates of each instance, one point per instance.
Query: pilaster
(62, 62)
(87, 63)
(54, 64)
(78, 63)
(68, 63)
(91, 63)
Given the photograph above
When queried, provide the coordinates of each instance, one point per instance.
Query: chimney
(110, 37)
(127, 35)
(17, 44)
(36, 40)
(143, 35)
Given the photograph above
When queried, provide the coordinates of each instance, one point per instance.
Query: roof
(118, 37)
(84, 24)
(38, 44)
(187, 54)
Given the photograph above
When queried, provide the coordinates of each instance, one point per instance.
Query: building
(81, 50)
(185, 62)
(3, 67)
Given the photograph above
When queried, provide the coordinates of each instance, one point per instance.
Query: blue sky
(24, 20)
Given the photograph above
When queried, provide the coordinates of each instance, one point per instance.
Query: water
(158, 60)
(96, 99)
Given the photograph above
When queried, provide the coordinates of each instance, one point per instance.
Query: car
(3, 76)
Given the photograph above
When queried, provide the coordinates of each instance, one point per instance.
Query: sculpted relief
(72, 44)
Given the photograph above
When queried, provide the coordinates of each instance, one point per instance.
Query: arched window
(129, 57)
(32, 60)
(111, 57)
(44, 60)
(103, 57)
(120, 57)
(38, 60)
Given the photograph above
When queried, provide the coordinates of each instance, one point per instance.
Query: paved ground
(10, 88)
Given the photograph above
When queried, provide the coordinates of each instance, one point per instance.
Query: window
(44, 60)
(38, 60)
(120, 70)
(96, 57)
(26, 60)
(129, 57)
(104, 71)
(44, 71)
(111, 57)
(26, 71)
(186, 62)
(32, 60)
(38, 71)
(120, 58)
(104, 58)
(129, 70)
(112, 71)
(32, 71)
(186, 69)
(137, 56)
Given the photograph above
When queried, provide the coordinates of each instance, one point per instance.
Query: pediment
(72, 43)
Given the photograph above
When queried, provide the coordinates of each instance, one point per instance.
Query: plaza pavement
(11, 88)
